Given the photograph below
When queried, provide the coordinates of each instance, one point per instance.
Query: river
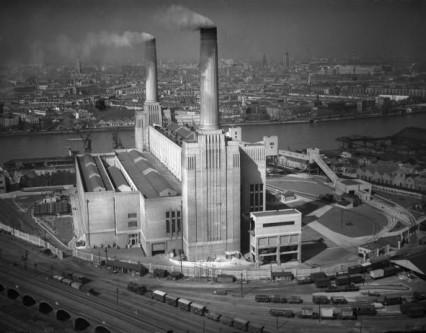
(321, 135)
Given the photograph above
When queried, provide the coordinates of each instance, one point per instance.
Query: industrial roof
(145, 176)
(103, 174)
(415, 261)
(117, 177)
(91, 176)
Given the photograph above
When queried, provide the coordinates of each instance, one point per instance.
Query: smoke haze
(68, 49)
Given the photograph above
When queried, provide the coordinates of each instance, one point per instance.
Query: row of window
(173, 222)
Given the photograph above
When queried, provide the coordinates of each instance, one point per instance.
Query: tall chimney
(209, 115)
(151, 70)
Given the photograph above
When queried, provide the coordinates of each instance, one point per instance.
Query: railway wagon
(356, 269)
(212, 315)
(392, 300)
(277, 299)
(58, 278)
(323, 282)
(159, 295)
(262, 298)
(227, 320)
(77, 277)
(172, 300)
(379, 264)
(318, 275)
(184, 304)
(225, 278)
(294, 300)
(338, 300)
(327, 313)
(304, 280)
(76, 285)
(160, 273)
(139, 289)
(377, 273)
(308, 312)
(390, 271)
(346, 313)
(281, 313)
(364, 309)
(255, 328)
(356, 278)
(320, 299)
(198, 309)
(241, 324)
(282, 276)
(342, 280)
(67, 281)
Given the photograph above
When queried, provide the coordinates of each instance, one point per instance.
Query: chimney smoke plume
(186, 19)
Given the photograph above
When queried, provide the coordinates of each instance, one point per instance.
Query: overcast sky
(52, 30)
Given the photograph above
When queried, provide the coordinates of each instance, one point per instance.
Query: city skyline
(111, 31)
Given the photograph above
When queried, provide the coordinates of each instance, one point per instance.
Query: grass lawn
(19, 220)
(355, 222)
(26, 202)
(62, 226)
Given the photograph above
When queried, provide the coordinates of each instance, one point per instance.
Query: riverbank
(242, 124)
(318, 120)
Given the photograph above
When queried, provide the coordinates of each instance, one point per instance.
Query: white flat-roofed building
(275, 236)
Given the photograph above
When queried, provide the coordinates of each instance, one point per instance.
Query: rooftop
(275, 212)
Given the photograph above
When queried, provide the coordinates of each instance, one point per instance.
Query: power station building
(180, 188)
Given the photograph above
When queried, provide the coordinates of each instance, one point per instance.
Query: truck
(377, 273)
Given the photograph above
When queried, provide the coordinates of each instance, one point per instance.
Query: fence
(190, 269)
(32, 239)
